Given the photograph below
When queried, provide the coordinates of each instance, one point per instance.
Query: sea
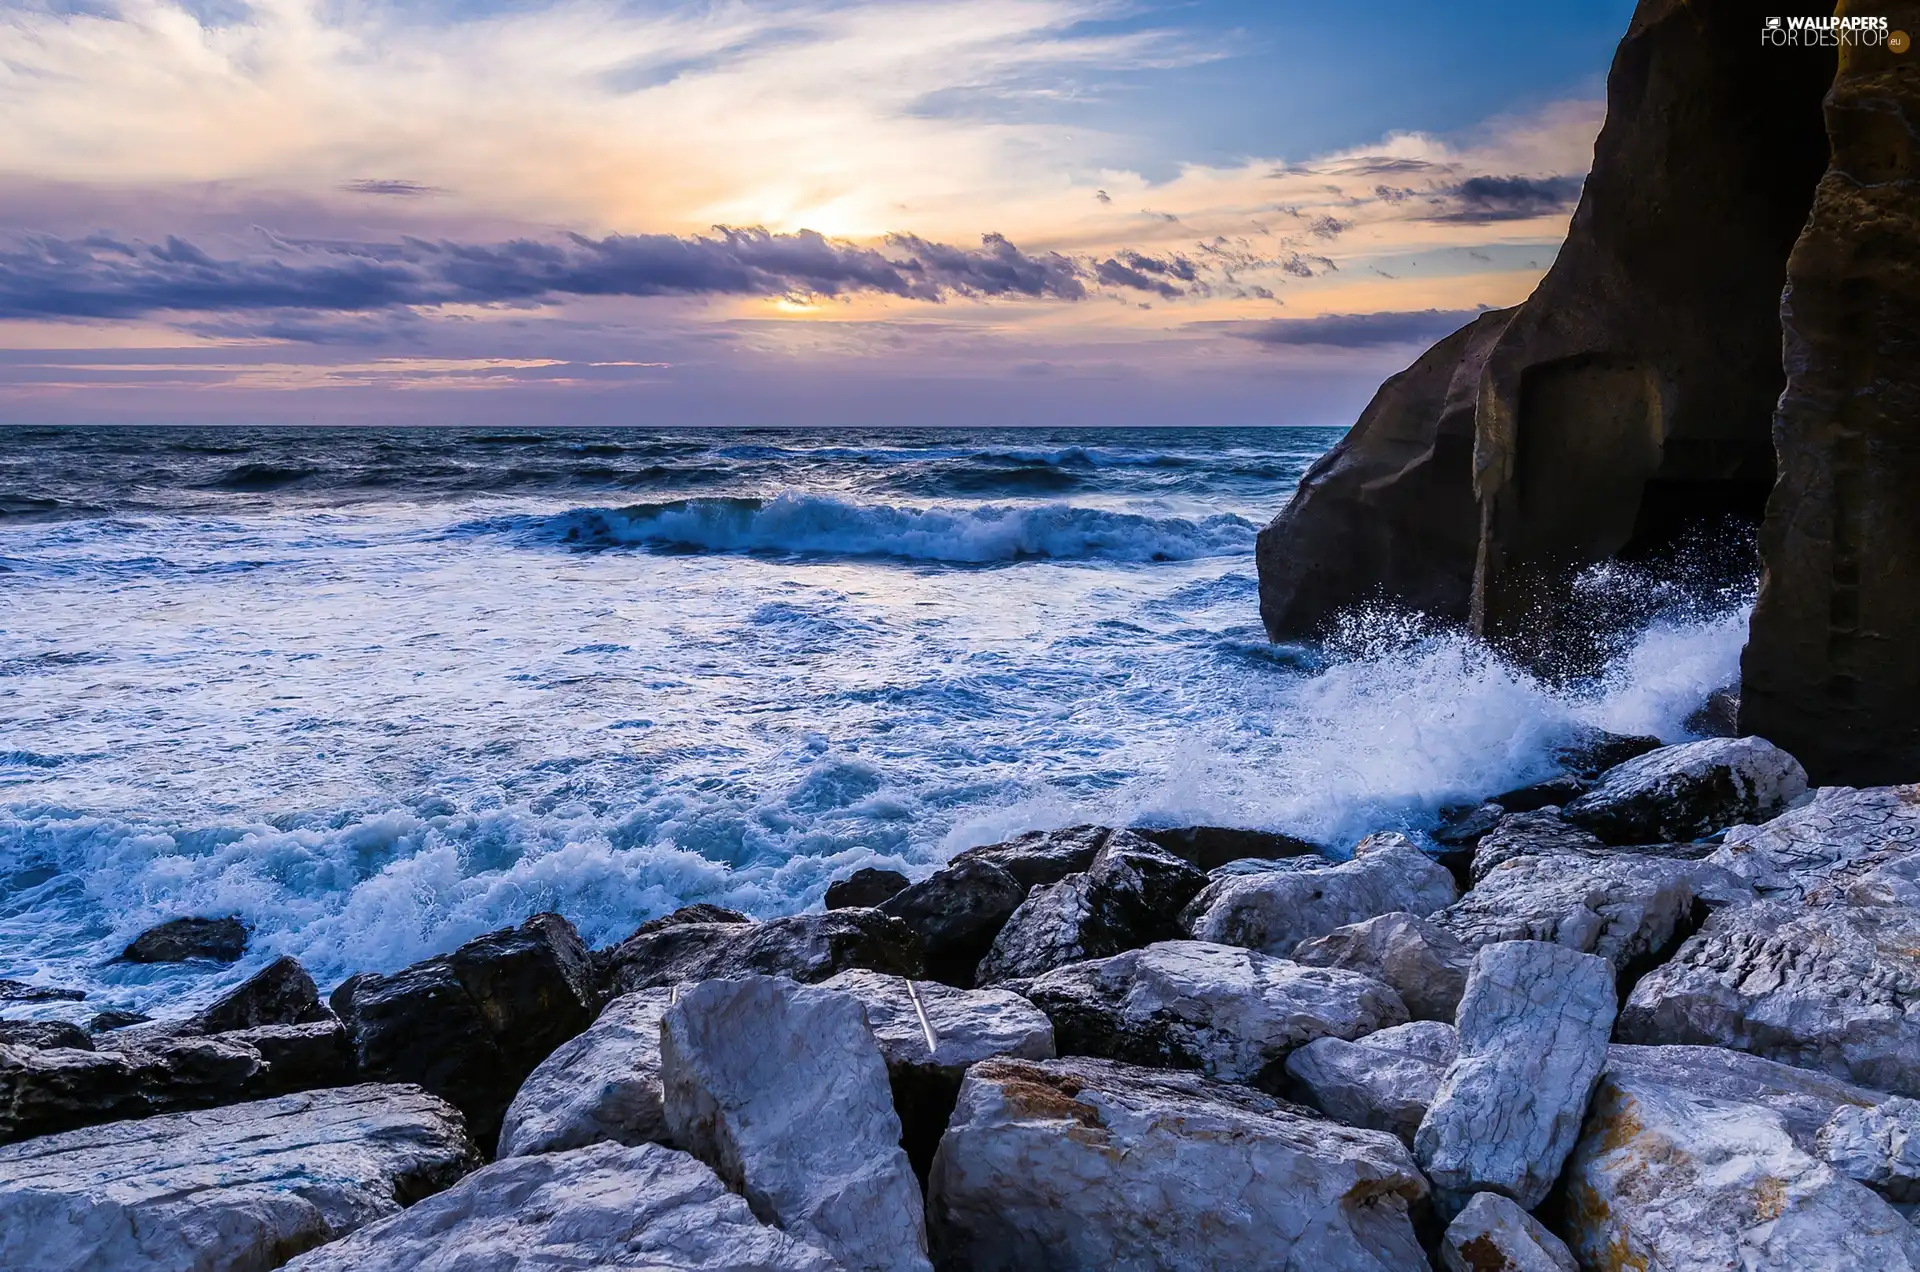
(378, 691)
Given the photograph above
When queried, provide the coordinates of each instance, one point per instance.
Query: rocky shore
(1542, 1040)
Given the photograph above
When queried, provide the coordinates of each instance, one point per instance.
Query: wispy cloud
(1350, 331)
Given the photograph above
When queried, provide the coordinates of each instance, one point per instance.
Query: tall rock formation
(1832, 665)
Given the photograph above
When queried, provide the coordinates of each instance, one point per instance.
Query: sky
(783, 212)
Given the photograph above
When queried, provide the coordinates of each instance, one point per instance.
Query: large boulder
(1041, 857)
(177, 940)
(781, 1088)
(1423, 963)
(1804, 1099)
(929, 1033)
(1276, 910)
(232, 1189)
(1210, 847)
(1877, 1145)
(864, 888)
(43, 1034)
(1494, 1235)
(602, 1084)
(1838, 826)
(1384, 1081)
(1087, 1164)
(1665, 1178)
(606, 1206)
(469, 1026)
(1232, 1013)
(1831, 670)
(1533, 1029)
(1685, 791)
(806, 947)
(1131, 894)
(1388, 515)
(281, 993)
(956, 912)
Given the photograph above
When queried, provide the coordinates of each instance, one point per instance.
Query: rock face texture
(281, 993)
(1831, 670)
(1231, 1013)
(1681, 792)
(1494, 1235)
(1384, 1081)
(603, 1084)
(1664, 1178)
(1426, 965)
(1804, 1099)
(781, 1088)
(807, 947)
(225, 1190)
(867, 886)
(607, 1206)
(1085, 1164)
(1839, 826)
(1533, 1037)
(1389, 513)
(1878, 1146)
(957, 912)
(1276, 910)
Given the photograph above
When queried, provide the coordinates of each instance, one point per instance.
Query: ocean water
(379, 691)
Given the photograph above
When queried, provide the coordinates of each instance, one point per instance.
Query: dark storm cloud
(104, 277)
(1353, 331)
(1479, 200)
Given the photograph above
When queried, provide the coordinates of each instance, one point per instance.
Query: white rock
(1494, 1235)
(603, 1084)
(1804, 1098)
(604, 1206)
(1685, 791)
(1275, 911)
(1666, 1179)
(782, 1089)
(226, 1189)
(1231, 1013)
(969, 1025)
(1878, 1146)
(1798, 849)
(1086, 1164)
(1426, 965)
(1533, 1037)
(1384, 1081)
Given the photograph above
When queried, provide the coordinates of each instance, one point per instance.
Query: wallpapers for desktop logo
(1815, 33)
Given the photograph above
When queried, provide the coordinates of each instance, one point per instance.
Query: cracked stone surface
(603, 1206)
(1878, 1146)
(1805, 1099)
(1082, 1164)
(1494, 1235)
(1384, 1081)
(603, 1084)
(1533, 1029)
(1683, 792)
(781, 1088)
(1229, 1012)
(1799, 849)
(1274, 911)
(1425, 964)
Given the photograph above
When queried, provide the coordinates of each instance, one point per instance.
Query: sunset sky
(780, 212)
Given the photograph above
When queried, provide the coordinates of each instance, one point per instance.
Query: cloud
(400, 189)
(1480, 200)
(1352, 331)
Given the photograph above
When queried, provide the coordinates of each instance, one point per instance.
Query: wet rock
(280, 993)
(601, 1207)
(698, 912)
(1465, 826)
(781, 1088)
(13, 991)
(1040, 857)
(1210, 847)
(177, 940)
(469, 1026)
(1835, 988)
(968, 1025)
(1836, 827)
(1664, 1178)
(1879, 1146)
(43, 1034)
(601, 1085)
(1384, 1081)
(805, 947)
(299, 1057)
(1551, 793)
(1087, 1164)
(1533, 1029)
(957, 912)
(864, 888)
(1232, 1013)
(240, 1187)
(1718, 717)
(1494, 1235)
(1423, 963)
(1274, 912)
(1591, 752)
(1804, 1100)
(43, 1092)
(104, 1021)
(1683, 792)
(1539, 833)
(1129, 896)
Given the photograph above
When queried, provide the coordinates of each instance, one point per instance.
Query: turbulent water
(379, 691)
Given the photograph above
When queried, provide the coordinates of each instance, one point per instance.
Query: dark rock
(864, 888)
(281, 993)
(1594, 751)
(957, 912)
(1388, 514)
(1719, 717)
(1041, 857)
(45, 1091)
(698, 912)
(1553, 792)
(1538, 833)
(1210, 847)
(106, 1020)
(44, 1033)
(13, 991)
(470, 1025)
(805, 947)
(177, 940)
(1681, 792)
(1831, 669)
(300, 1057)
(1130, 895)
